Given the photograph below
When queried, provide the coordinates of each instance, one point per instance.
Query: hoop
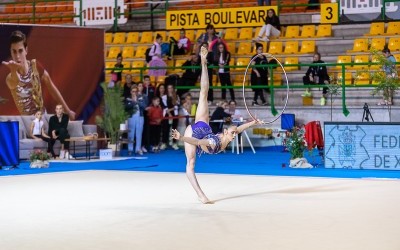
(287, 87)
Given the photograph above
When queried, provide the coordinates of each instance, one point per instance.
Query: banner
(220, 18)
(362, 145)
(69, 64)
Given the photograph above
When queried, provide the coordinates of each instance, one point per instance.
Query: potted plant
(113, 111)
(39, 159)
(296, 144)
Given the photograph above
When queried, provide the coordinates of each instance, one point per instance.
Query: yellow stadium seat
(175, 34)
(374, 59)
(241, 62)
(160, 80)
(244, 48)
(179, 63)
(347, 78)
(307, 47)
(291, 60)
(277, 77)
(376, 29)
(246, 34)
(378, 43)
(119, 38)
(394, 44)
(133, 37)
(361, 79)
(343, 59)
(324, 30)
(257, 31)
(137, 64)
(361, 59)
(171, 64)
(238, 80)
(360, 44)
(141, 51)
(393, 28)
(127, 65)
(108, 38)
(291, 47)
(308, 31)
(191, 35)
(231, 47)
(264, 44)
(147, 37)
(127, 52)
(108, 66)
(292, 31)
(231, 34)
(163, 34)
(275, 47)
(113, 52)
(397, 57)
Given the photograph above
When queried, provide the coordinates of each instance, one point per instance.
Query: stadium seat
(324, 30)
(378, 43)
(109, 65)
(173, 33)
(361, 79)
(394, 44)
(171, 64)
(238, 80)
(375, 59)
(343, 59)
(291, 60)
(133, 37)
(19, 8)
(137, 64)
(113, 52)
(244, 48)
(9, 8)
(191, 35)
(119, 38)
(361, 59)
(108, 38)
(162, 33)
(376, 29)
(291, 47)
(179, 63)
(246, 34)
(147, 37)
(241, 62)
(231, 47)
(127, 52)
(360, 45)
(126, 65)
(292, 31)
(307, 46)
(397, 57)
(231, 34)
(275, 47)
(347, 78)
(141, 51)
(277, 77)
(308, 31)
(393, 28)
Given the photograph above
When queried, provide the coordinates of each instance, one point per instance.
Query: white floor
(137, 210)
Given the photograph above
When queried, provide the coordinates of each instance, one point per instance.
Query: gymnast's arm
(247, 125)
(196, 142)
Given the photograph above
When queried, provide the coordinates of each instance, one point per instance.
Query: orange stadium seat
(308, 31)
(40, 7)
(127, 52)
(19, 8)
(141, 51)
(113, 52)
(275, 47)
(360, 45)
(378, 43)
(147, 37)
(133, 37)
(347, 78)
(292, 47)
(108, 38)
(343, 59)
(307, 47)
(9, 8)
(119, 38)
(244, 48)
(376, 29)
(393, 28)
(292, 31)
(246, 34)
(394, 44)
(361, 59)
(324, 30)
(291, 60)
(231, 34)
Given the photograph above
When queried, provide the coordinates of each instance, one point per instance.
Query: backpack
(147, 53)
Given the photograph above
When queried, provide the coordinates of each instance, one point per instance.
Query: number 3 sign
(329, 13)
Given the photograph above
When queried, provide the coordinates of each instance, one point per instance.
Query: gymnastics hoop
(287, 88)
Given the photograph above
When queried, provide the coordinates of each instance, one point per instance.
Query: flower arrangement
(295, 142)
(39, 155)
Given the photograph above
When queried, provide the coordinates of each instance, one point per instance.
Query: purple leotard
(202, 130)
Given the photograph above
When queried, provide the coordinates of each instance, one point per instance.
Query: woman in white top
(37, 132)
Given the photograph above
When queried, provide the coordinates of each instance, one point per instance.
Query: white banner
(99, 12)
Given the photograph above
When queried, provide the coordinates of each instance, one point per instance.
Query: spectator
(180, 47)
(214, 44)
(188, 108)
(390, 70)
(222, 59)
(149, 91)
(156, 60)
(272, 27)
(58, 125)
(206, 37)
(218, 115)
(161, 93)
(117, 71)
(127, 86)
(259, 75)
(190, 76)
(317, 75)
(233, 111)
(210, 60)
(37, 132)
(173, 102)
(261, 2)
(155, 115)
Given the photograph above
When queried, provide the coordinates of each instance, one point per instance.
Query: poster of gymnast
(44, 66)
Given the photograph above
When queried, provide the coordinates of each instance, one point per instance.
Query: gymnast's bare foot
(205, 200)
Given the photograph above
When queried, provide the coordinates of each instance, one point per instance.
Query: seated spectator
(218, 115)
(37, 132)
(127, 86)
(156, 60)
(188, 108)
(190, 76)
(58, 125)
(180, 47)
(272, 27)
(235, 113)
(317, 75)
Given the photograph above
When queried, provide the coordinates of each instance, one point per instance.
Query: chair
(127, 52)
(113, 52)
(246, 34)
(147, 37)
(275, 47)
(324, 30)
(162, 33)
(393, 28)
(308, 31)
(291, 47)
(397, 57)
(277, 77)
(361, 79)
(394, 44)
(108, 38)
(137, 64)
(231, 47)
(191, 35)
(291, 60)
(374, 59)
(376, 29)
(361, 59)
(141, 51)
(378, 43)
(241, 62)
(292, 31)
(175, 34)
(307, 47)
(348, 77)
(343, 59)
(244, 48)
(108, 66)
(133, 37)
(231, 34)
(126, 65)
(179, 63)
(360, 45)
(119, 38)
(171, 65)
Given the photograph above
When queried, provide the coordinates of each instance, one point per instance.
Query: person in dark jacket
(190, 76)
(58, 124)
(222, 59)
(219, 116)
(272, 27)
(259, 75)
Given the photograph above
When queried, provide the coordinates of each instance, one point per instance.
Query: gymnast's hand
(175, 134)
(13, 66)
(203, 54)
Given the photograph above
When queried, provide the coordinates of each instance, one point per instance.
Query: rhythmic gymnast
(199, 137)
